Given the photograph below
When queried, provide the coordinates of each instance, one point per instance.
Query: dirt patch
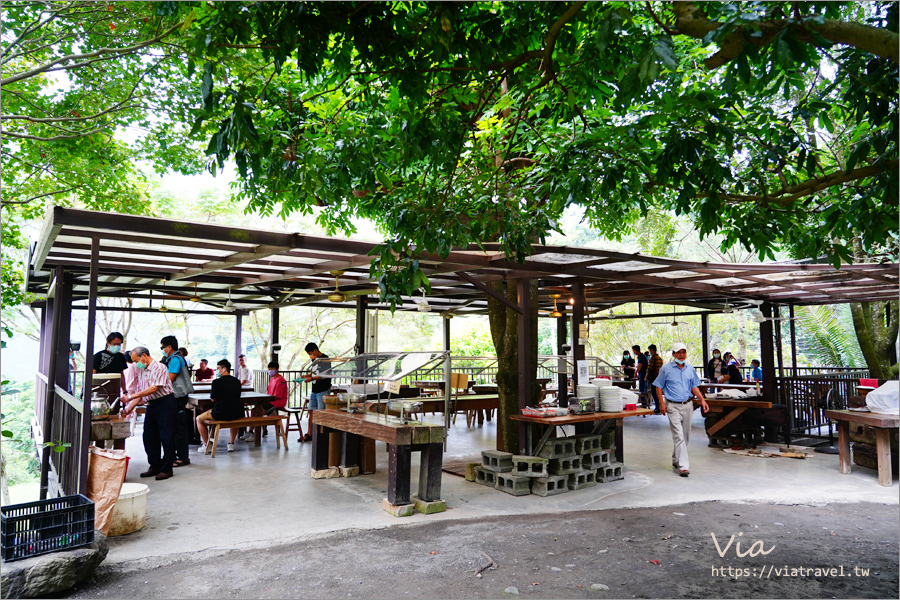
(666, 552)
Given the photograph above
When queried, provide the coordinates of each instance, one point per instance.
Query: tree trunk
(504, 334)
(876, 325)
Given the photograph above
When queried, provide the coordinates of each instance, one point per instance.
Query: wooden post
(399, 460)
(361, 303)
(50, 396)
(562, 379)
(88, 367)
(523, 350)
(767, 356)
(430, 472)
(776, 325)
(704, 335)
(577, 322)
(448, 370)
(274, 326)
(793, 343)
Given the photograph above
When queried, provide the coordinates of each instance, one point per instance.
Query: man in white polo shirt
(155, 390)
(678, 382)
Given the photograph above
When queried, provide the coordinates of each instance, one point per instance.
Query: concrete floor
(257, 497)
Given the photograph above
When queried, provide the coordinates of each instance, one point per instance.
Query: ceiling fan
(759, 317)
(337, 295)
(674, 322)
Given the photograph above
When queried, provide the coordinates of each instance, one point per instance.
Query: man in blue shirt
(678, 382)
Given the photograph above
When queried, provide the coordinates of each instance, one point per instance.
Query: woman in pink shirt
(277, 388)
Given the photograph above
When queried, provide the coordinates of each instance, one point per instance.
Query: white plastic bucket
(130, 512)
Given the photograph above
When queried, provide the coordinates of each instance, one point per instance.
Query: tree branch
(25, 136)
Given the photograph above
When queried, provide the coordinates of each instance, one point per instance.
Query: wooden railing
(68, 475)
(806, 397)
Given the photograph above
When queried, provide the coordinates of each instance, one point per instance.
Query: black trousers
(159, 430)
(183, 429)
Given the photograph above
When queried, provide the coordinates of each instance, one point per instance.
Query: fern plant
(825, 339)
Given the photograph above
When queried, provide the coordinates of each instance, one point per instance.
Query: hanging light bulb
(336, 296)
(229, 306)
(555, 314)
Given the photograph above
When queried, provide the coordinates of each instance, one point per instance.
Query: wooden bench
(280, 433)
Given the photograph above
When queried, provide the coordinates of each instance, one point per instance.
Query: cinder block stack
(563, 464)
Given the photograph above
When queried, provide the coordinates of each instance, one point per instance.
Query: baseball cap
(677, 346)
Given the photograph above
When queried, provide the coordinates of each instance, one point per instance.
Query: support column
(776, 324)
(88, 367)
(793, 342)
(767, 355)
(238, 325)
(361, 303)
(274, 326)
(562, 379)
(49, 398)
(523, 350)
(577, 322)
(60, 353)
(704, 335)
(445, 339)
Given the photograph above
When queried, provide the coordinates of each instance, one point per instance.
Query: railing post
(85, 441)
(49, 398)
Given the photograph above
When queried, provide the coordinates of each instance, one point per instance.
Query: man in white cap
(678, 382)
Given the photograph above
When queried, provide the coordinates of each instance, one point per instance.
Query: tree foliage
(458, 123)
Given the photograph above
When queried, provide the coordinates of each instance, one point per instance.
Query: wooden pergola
(86, 255)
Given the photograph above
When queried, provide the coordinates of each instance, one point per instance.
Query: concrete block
(558, 447)
(398, 510)
(565, 465)
(610, 472)
(587, 444)
(470, 471)
(550, 485)
(583, 479)
(485, 477)
(530, 466)
(497, 461)
(349, 471)
(326, 473)
(517, 485)
(429, 508)
(595, 460)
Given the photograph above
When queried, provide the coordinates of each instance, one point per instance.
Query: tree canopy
(772, 123)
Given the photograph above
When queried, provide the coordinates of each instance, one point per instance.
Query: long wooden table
(602, 421)
(732, 407)
(201, 403)
(402, 440)
(882, 424)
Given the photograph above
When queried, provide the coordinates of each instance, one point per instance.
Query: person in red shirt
(277, 388)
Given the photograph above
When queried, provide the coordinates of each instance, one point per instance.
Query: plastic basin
(130, 512)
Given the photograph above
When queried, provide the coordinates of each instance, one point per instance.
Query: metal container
(99, 408)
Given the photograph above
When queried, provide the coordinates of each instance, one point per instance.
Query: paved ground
(560, 555)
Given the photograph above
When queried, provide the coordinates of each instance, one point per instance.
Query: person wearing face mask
(676, 386)
(180, 376)
(225, 394)
(110, 359)
(154, 390)
(627, 365)
(715, 368)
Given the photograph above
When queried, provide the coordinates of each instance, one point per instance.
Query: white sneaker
(248, 437)
(230, 447)
(202, 448)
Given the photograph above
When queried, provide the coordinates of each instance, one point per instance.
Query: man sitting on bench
(225, 394)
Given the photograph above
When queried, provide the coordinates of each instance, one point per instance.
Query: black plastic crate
(46, 526)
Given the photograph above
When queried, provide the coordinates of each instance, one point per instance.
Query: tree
(458, 123)
(876, 325)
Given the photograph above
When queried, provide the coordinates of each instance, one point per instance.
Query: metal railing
(68, 476)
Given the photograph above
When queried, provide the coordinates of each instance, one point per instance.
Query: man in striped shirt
(154, 390)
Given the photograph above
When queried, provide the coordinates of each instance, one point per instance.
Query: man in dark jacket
(227, 404)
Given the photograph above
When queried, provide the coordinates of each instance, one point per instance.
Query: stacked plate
(610, 399)
(601, 382)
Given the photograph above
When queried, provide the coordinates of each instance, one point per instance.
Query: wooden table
(201, 403)
(602, 421)
(402, 439)
(201, 387)
(732, 407)
(466, 402)
(115, 428)
(882, 424)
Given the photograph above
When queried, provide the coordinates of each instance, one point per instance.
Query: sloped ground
(560, 555)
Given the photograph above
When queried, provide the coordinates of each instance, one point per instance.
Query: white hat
(677, 346)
